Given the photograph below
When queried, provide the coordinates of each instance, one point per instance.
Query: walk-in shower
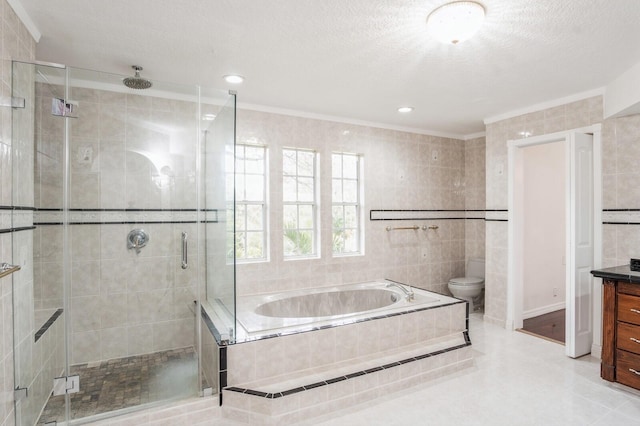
(120, 201)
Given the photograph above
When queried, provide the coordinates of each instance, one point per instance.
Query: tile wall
(18, 44)
(620, 190)
(474, 180)
(122, 303)
(401, 171)
(620, 140)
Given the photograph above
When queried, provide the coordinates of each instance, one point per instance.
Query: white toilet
(470, 287)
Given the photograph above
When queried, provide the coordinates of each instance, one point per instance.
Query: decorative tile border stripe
(22, 218)
(6, 221)
(17, 208)
(375, 215)
(47, 324)
(103, 217)
(275, 395)
(415, 214)
(8, 230)
(621, 217)
(497, 215)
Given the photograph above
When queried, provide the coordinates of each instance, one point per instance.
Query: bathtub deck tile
(353, 368)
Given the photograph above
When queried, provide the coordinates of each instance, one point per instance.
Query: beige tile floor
(517, 379)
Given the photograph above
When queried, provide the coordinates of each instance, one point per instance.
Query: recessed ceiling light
(405, 109)
(209, 117)
(453, 23)
(233, 79)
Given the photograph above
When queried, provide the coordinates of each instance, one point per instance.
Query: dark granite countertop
(622, 273)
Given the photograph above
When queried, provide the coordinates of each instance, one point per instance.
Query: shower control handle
(185, 261)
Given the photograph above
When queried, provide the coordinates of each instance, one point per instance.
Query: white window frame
(242, 202)
(358, 204)
(315, 205)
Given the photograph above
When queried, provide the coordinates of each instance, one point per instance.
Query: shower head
(137, 82)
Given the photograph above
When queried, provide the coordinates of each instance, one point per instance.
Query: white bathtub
(304, 310)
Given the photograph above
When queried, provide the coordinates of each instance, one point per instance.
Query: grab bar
(413, 228)
(185, 261)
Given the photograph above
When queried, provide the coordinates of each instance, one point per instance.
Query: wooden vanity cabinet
(621, 332)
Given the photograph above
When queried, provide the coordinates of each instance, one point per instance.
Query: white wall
(544, 228)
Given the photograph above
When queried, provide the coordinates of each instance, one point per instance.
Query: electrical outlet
(555, 292)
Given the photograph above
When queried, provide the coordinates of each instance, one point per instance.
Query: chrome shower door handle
(185, 261)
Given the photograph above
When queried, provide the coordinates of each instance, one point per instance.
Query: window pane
(336, 190)
(351, 242)
(336, 165)
(337, 213)
(350, 217)
(255, 242)
(350, 166)
(240, 193)
(240, 217)
(231, 247)
(290, 242)
(288, 162)
(338, 242)
(254, 218)
(240, 248)
(350, 192)
(305, 217)
(289, 189)
(305, 189)
(305, 163)
(254, 188)
(305, 242)
(290, 217)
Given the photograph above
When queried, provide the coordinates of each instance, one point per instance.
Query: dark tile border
(23, 228)
(274, 395)
(47, 324)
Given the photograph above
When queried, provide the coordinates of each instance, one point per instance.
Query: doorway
(581, 203)
(543, 176)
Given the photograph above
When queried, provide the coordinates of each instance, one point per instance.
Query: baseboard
(543, 310)
(596, 351)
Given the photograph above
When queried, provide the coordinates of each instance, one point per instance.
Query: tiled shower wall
(122, 303)
(17, 44)
(401, 171)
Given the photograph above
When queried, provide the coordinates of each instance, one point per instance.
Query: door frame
(515, 227)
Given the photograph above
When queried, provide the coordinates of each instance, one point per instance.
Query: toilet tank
(475, 267)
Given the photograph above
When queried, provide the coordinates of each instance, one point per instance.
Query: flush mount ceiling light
(453, 23)
(233, 79)
(405, 109)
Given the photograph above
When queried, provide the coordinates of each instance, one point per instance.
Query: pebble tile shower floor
(126, 382)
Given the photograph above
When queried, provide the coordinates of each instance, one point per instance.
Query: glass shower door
(38, 288)
(219, 187)
(113, 272)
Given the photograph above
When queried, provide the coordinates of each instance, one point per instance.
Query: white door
(580, 239)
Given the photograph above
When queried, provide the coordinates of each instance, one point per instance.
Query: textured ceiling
(354, 59)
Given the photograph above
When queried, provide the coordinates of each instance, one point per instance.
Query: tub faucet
(408, 293)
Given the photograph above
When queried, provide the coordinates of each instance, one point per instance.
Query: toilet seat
(466, 281)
